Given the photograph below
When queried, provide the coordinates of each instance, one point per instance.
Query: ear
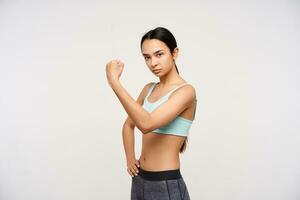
(175, 53)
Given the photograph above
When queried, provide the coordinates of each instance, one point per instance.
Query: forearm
(128, 142)
(136, 112)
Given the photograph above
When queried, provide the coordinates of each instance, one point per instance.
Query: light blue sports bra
(179, 126)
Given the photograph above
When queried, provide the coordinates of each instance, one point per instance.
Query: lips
(156, 71)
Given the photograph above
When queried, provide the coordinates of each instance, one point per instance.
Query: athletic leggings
(159, 185)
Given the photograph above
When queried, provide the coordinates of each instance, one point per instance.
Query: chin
(160, 74)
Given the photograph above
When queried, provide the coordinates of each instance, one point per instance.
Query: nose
(153, 62)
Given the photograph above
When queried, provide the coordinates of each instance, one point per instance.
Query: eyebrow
(144, 54)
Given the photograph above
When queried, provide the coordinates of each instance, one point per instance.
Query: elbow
(146, 128)
(144, 131)
(129, 124)
(144, 125)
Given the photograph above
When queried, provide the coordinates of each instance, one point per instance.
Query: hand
(114, 70)
(132, 167)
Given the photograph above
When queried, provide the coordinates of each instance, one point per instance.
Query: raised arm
(145, 121)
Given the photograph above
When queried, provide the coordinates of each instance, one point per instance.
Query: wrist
(114, 82)
(130, 159)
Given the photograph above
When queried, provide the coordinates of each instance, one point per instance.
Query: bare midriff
(160, 151)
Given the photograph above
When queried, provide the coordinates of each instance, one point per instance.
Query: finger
(137, 163)
(133, 171)
(129, 172)
(136, 169)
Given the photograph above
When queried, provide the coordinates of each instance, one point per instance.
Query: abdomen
(160, 152)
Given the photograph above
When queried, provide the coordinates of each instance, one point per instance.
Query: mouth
(156, 71)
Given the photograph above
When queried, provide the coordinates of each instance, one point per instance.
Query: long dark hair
(164, 35)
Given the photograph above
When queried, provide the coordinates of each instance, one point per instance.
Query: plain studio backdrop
(60, 131)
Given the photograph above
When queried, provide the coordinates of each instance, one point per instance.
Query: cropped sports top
(179, 126)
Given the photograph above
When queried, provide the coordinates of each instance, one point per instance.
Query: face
(158, 57)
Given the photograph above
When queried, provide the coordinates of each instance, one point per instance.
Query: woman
(164, 113)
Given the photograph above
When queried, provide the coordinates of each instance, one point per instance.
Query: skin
(159, 151)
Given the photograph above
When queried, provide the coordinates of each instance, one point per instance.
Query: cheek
(168, 58)
(163, 61)
(147, 62)
(167, 61)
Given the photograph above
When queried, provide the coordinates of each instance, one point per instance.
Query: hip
(163, 185)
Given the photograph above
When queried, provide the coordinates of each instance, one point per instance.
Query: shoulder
(148, 85)
(144, 91)
(186, 91)
(189, 87)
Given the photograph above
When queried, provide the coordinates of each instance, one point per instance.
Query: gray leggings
(163, 185)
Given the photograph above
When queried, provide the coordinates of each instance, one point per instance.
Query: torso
(161, 151)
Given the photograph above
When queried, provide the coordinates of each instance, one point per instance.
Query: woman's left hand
(114, 70)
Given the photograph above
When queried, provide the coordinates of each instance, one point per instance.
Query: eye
(160, 54)
(146, 57)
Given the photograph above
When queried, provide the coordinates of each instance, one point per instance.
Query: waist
(158, 162)
(160, 175)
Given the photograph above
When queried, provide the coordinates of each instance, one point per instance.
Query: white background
(60, 122)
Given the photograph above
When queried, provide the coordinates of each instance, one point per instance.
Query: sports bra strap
(168, 93)
(150, 90)
(179, 86)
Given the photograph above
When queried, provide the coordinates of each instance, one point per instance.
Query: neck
(172, 78)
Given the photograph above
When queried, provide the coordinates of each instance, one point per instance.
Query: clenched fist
(114, 70)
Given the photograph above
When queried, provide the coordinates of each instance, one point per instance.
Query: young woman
(164, 112)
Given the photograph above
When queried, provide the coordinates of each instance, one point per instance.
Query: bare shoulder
(190, 88)
(187, 90)
(147, 86)
(144, 92)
